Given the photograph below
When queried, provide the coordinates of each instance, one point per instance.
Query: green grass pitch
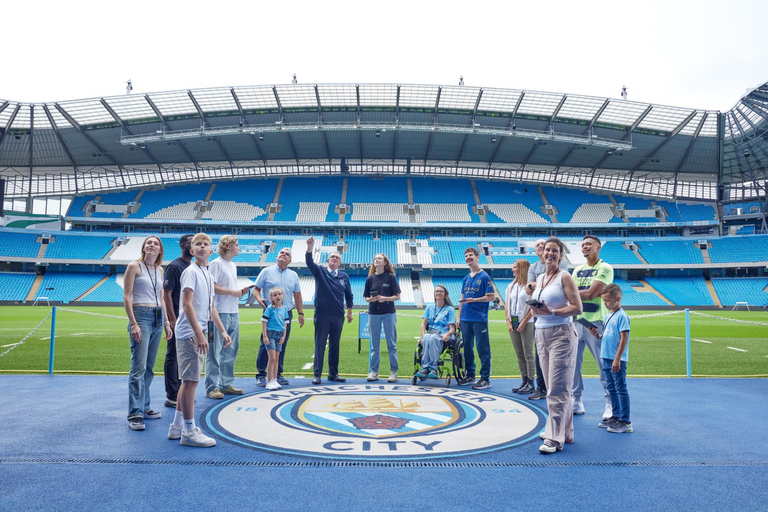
(86, 343)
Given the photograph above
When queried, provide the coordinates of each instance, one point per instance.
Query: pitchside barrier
(363, 329)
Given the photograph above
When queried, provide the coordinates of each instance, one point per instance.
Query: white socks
(178, 419)
(189, 425)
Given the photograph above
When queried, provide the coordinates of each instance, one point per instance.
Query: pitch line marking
(737, 349)
(702, 341)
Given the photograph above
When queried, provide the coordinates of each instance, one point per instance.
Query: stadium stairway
(41, 251)
(650, 288)
(711, 289)
(476, 194)
(637, 254)
(545, 201)
(708, 261)
(89, 290)
(33, 290)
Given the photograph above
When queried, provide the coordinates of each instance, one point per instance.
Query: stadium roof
(79, 146)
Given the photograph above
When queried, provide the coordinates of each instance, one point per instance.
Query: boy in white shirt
(194, 330)
(220, 362)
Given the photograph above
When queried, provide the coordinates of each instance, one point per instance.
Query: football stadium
(420, 173)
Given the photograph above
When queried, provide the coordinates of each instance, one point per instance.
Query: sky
(698, 54)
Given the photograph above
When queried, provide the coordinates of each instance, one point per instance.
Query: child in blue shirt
(274, 323)
(614, 352)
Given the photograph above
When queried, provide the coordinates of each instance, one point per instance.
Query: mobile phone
(515, 322)
(210, 331)
(535, 303)
(374, 293)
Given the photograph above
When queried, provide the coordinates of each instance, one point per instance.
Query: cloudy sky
(701, 54)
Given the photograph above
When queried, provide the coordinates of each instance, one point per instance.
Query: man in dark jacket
(332, 289)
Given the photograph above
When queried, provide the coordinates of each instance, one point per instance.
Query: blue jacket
(330, 291)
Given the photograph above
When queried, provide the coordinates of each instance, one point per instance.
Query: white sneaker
(608, 413)
(548, 447)
(196, 438)
(392, 377)
(174, 432)
(373, 376)
(273, 385)
(578, 407)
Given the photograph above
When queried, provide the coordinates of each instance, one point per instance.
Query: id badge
(158, 317)
(210, 331)
(515, 322)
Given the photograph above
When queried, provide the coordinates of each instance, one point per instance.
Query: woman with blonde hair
(381, 291)
(520, 327)
(143, 301)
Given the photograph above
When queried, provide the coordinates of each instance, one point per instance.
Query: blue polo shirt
(286, 279)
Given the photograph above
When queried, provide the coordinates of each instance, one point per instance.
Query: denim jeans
(616, 382)
(263, 358)
(220, 361)
(389, 321)
(479, 331)
(143, 356)
(432, 346)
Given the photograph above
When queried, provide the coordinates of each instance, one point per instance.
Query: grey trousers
(523, 343)
(586, 339)
(557, 355)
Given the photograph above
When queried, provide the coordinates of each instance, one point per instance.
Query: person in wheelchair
(438, 326)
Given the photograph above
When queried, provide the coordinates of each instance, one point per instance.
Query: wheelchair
(450, 365)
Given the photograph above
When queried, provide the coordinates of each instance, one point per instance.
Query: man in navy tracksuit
(331, 290)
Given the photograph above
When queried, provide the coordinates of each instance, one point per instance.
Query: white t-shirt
(200, 281)
(515, 301)
(225, 275)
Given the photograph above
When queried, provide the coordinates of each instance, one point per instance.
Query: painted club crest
(375, 422)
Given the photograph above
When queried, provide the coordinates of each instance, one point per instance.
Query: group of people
(196, 304)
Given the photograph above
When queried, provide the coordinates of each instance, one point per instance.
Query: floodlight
(493, 140)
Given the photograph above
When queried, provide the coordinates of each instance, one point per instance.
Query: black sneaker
(282, 380)
(538, 394)
(482, 384)
(170, 403)
(466, 381)
(261, 381)
(136, 424)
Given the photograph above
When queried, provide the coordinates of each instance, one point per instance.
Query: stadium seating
(670, 252)
(683, 291)
(739, 249)
(19, 245)
(614, 253)
(515, 213)
(110, 290)
(633, 297)
(67, 286)
(752, 290)
(499, 193)
(568, 201)
(15, 286)
(153, 202)
(79, 247)
(371, 190)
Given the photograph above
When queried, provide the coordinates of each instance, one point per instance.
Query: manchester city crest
(375, 422)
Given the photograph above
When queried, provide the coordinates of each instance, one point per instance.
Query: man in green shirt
(591, 278)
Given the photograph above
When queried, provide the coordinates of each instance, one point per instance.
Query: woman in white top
(558, 302)
(142, 298)
(520, 329)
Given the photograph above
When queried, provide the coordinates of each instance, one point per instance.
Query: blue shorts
(274, 340)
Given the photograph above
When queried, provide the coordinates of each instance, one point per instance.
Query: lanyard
(544, 285)
(609, 318)
(207, 288)
(434, 317)
(153, 281)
